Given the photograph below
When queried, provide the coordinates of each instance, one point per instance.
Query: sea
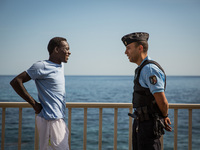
(112, 89)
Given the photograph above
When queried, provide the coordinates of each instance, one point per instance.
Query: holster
(141, 114)
(158, 126)
(145, 112)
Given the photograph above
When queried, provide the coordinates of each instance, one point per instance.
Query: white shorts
(53, 134)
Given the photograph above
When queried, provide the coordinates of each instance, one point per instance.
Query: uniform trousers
(143, 137)
(53, 134)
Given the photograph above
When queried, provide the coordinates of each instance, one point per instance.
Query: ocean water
(180, 89)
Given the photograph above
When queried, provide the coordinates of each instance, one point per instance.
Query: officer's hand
(167, 123)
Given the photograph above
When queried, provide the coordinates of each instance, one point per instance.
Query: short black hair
(54, 42)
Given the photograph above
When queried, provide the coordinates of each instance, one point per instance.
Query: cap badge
(125, 42)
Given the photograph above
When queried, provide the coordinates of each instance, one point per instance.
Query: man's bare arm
(163, 105)
(18, 86)
(162, 102)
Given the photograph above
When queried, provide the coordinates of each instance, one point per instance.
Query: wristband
(165, 116)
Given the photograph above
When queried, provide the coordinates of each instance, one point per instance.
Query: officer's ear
(141, 48)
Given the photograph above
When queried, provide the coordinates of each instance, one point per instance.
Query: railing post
(36, 145)
(130, 129)
(3, 128)
(100, 128)
(175, 128)
(20, 129)
(69, 126)
(85, 130)
(115, 128)
(190, 130)
(161, 142)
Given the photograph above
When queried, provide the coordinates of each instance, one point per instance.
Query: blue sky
(94, 30)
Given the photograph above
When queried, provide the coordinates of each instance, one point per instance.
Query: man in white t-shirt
(50, 82)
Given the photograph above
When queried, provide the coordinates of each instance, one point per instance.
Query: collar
(147, 58)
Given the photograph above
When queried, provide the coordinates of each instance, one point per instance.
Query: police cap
(134, 37)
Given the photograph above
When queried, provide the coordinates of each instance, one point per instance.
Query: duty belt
(141, 114)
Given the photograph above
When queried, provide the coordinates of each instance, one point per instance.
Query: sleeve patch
(153, 79)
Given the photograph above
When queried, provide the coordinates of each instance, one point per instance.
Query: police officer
(149, 101)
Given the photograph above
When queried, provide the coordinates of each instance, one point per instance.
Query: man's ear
(56, 49)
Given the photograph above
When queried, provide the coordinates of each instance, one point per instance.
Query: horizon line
(103, 75)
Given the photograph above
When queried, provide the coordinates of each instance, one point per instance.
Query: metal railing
(189, 107)
(99, 106)
(85, 106)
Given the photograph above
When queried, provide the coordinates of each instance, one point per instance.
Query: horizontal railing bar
(15, 105)
(97, 105)
(184, 106)
(69, 105)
